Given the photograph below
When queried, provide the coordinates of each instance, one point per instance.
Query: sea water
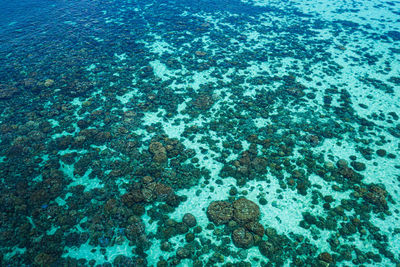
(199, 133)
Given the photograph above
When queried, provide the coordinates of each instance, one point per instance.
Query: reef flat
(200, 133)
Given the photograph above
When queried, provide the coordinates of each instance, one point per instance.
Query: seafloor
(199, 133)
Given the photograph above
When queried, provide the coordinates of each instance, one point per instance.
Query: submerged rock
(245, 211)
(189, 220)
(326, 257)
(266, 248)
(7, 91)
(159, 152)
(256, 228)
(376, 195)
(220, 212)
(49, 82)
(242, 238)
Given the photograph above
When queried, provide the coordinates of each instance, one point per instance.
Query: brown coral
(220, 212)
(245, 211)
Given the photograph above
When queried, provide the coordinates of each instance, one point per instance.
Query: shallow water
(199, 133)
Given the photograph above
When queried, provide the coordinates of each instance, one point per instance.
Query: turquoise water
(199, 133)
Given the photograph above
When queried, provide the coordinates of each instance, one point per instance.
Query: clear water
(119, 118)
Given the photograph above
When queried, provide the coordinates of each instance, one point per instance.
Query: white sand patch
(125, 98)
(91, 67)
(157, 45)
(54, 123)
(261, 122)
(52, 231)
(89, 183)
(14, 251)
(61, 201)
(160, 47)
(87, 252)
(202, 77)
(120, 57)
(77, 102)
(160, 70)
